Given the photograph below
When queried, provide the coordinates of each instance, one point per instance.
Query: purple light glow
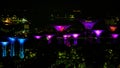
(88, 24)
(61, 28)
(49, 38)
(114, 36)
(66, 36)
(37, 37)
(98, 32)
(75, 35)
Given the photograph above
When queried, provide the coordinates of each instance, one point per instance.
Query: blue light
(12, 50)
(21, 54)
(4, 44)
(21, 41)
(12, 39)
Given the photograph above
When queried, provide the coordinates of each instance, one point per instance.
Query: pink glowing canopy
(49, 36)
(113, 28)
(114, 36)
(88, 24)
(98, 32)
(37, 36)
(65, 36)
(61, 28)
(75, 35)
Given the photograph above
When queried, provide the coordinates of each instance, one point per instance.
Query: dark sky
(38, 11)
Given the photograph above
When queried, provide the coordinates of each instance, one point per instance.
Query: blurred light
(113, 28)
(37, 37)
(4, 43)
(88, 24)
(61, 28)
(75, 35)
(98, 32)
(114, 36)
(49, 37)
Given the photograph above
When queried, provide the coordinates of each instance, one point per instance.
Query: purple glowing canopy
(49, 36)
(88, 24)
(114, 36)
(37, 36)
(98, 32)
(75, 35)
(61, 28)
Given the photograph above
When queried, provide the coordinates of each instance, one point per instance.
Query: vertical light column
(21, 41)
(4, 53)
(12, 49)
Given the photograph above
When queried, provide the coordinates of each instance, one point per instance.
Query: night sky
(38, 11)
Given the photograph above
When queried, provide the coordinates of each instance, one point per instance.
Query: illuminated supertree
(112, 28)
(98, 34)
(12, 49)
(66, 41)
(37, 37)
(114, 37)
(61, 28)
(21, 41)
(49, 37)
(4, 45)
(75, 36)
(88, 24)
